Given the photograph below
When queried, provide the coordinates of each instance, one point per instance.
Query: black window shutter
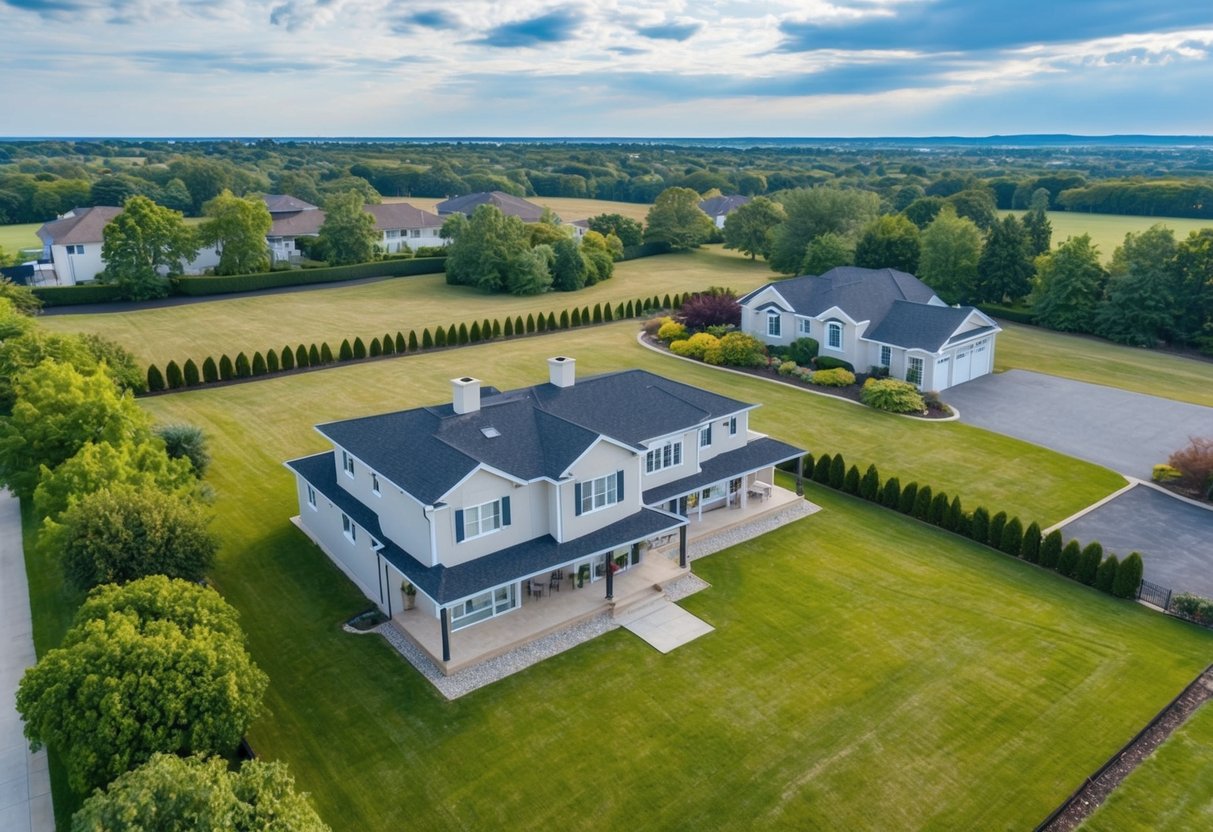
(505, 511)
(619, 486)
(577, 499)
(458, 525)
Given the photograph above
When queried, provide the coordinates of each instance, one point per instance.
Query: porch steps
(638, 606)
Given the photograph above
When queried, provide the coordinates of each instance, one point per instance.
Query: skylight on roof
(490, 432)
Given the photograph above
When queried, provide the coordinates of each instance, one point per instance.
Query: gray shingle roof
(720, 206)
(919, 326)
(757, 454)
(509, 205)
(389, 216)
(85, 225)
(285, 204)
(449, 583)
(543, 429)
(864, 294)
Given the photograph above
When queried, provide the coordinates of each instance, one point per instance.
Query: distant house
(876, 317)
(511, 206)
(580, 227)
(71, 247)
(719, 207)
(522, 511)
(398, 224)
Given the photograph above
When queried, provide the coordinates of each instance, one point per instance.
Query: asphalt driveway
(1175, 538)
(1127, 432)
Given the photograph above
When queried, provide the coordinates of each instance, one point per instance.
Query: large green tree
(57, 412)
(1039, 230)
(1194, 265)
(491, 252)
(1069, 286)
(748, 228)
(173, 794)
(348, 234)
(629, 231)
(676, 218)
(120, 534)
(1140, 305)
(1005, 269)
(157, 665)
(815, 211)
(976, 204)
(144, 243)
(889, 242)
(568, 267)
(238, 228)
(825, 252)
(951, 249)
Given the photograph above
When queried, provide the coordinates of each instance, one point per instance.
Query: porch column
(800, 476)
(682, 546)
(446, 637)
(610, 576)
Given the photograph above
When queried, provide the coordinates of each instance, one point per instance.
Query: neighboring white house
(876, 318)
(398, 224)
(511, 206)
(562, 484)
(719, 207)
(71, 246)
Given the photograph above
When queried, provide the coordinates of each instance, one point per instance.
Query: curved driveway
(1127, 432)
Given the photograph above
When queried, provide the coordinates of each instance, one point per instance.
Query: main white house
(564, 488)
(876, 318)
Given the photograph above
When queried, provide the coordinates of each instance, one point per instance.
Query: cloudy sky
(604, 68)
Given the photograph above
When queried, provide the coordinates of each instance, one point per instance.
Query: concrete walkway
(664, 624)
(25, 785)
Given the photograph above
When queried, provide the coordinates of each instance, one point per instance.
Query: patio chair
(556, 580)
(536, 588)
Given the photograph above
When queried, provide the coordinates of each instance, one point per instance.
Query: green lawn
(1108, 230)
(1101, 362)
(13, 238)
(1172, 791)
(369, 310)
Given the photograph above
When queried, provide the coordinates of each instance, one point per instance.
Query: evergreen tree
(1105, 579)
(1128, 577)
(288, 358)
(346, 353)
(509, 327)
(1069, 286)
(938, 513)
(243, 368)
(979, 525)
(1030, 550)
(821, 470)
(951, 249)
(210, 373)
(439, 337)
(302, 356)
(838, 472)
(850, 483)
(1012, 537)
(551, 322)
(191, 373)
(461, 336)
(1005, 267)
(909, 496)
(427, 340)
(1140, 307)
(564, 319)
(869, 486)
(452, 336)
(1067, 564)
(402, 345)
(1050, 550)
(412, 341)
(155, 379)
(1088, 563)
(226, 370)
(374, 350)
(956, 517)
(997, 523)
(1039, 231)
(259, 367)
(889, 242)
(922, 503)
(359, 348)
(271, 361)
(173, 378)
(326, 354)
(890, 495)
(474, 333)
(313, 357)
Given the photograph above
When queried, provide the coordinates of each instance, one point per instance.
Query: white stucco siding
(604, 459)
(414, 238)
(485, 487)
(687, 467)
(403, 521)
(754, 320)
(77, 267)
(208, 258)
(356, 557)
(722, 440)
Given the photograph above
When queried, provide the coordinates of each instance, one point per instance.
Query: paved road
(1175, 538)
(1127, 432)
(25, 786)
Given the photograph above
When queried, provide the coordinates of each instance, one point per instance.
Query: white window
(886, 356)
(311, 497)
(599, 493)
(482, 519)
(732, 426)
(802, 327)
(347, 463)
(482, 606)
(774, 324)
(914, 370)
(665, 455)
(705, 436)
(414, 232)
(347, 526)
(834, 335)
(375, 482)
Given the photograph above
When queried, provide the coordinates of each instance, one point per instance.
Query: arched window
(834, 335)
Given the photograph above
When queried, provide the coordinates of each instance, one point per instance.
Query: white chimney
(465, 394)
(562, 371)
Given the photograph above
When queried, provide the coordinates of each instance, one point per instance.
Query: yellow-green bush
(1165, 473)
(740, 350)
(696, 345)
(833, 378)
(671, 330)
(787, 368)
(890, 394)
(713, 355)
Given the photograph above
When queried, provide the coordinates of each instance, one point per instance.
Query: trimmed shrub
(217, 285)
(1030, 549)
(80, 294)
(439, 337)
(551, 320)
(452, 336)
(1088, 563)
(695, 346)
(909, 495)
(1067, 564)
(628, 311)
(326, 353)
(509, 327)
(1128, 577)
(302, 356)
(821, 469)
(244, 369)
(313, 357)
(461, 335)
(1192, 607)
(259, 367)
(803, 351)
(938, 513)
(346, 353)
(173, 379)
(403, 346)
(1050, 550)
(288, 359)
(155, 379)
(210, 372)
(490, 329)
(271, 361)
(387, 344)
(838, 472)
(607, 315)
(869, 486)
(997, 523)
(1165, 473)
(359, 349)
(564, 319)
(741, 350)
(671, 330)
(597, 313)
(1105, 578)
(541, 325)
(413, 345)
(519, 326)
(190, 371)
(833, 378)
(955, 521)
(665, 303)
(979, 525)
(375, 349)
(825, 362)
(922, 503)
(890, 494)
(1012, 537)
(427, 340)
(226, 370)
(891, 395)
(474, 335)
(530, 323)
(576, 320)
(850, 483)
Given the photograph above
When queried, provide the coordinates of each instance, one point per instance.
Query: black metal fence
(1154, 594)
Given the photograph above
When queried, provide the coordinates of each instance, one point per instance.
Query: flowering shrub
(787, 368)
(671, 330)
(837, 377)
(716, 307)
(695, 346)
(892, 395)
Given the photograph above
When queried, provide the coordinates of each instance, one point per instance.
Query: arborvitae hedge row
(190, 370)
(155, 379)
(1088, 563)
(259, 366)
(1050, 550)
(226, 370)
(850, 483)
(210, 372)
(1067, 564)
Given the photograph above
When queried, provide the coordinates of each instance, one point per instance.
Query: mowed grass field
(567, 208)
(1108, 230)
(368, 310)
(1172, 791)
(13, 238)
(1087, 358)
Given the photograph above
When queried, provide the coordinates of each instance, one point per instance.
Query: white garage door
(962, 368)
(981, 358)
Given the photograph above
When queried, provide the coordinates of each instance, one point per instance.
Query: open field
(368, 310)
(865, 668)
(567, 208)
(13, 238)
(1172, 791)
(1108, 230)
(1101, 362)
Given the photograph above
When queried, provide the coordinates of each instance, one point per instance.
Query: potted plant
(410, 595)
(582, 573)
